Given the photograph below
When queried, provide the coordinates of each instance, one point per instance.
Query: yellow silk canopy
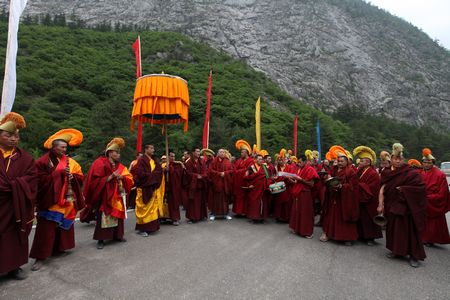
(161, 99)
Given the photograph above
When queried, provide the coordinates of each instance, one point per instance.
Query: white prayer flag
(16, 8)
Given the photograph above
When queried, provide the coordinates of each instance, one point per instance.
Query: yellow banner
(258, 123)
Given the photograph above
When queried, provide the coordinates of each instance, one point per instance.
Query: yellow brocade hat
(72, 137)
(315, 154)
(116, 144)
(427, 154)
(365, 152)
(294, 159)
(397, 150)
(282, 153)
(227, 153)
(12, 122)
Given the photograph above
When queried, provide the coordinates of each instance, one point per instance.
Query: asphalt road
(230, 259)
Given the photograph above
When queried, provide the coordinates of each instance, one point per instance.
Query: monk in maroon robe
(282, 203)
(174, 188)
(56, 213)
(147, 176)
(403, 202)
(256, 178)
(18, 188)
(272, 175)
(106, 181)
(198, 190)
(341, 206)
(221, 176)
(369, 189)
(240, 194)
(436, 229)
(302, 212)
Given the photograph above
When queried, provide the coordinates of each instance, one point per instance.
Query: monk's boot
(18, 274)
(100, 245)
(413, 262)
(37, 265)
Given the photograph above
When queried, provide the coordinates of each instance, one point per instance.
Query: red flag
(205, 140)
(137, 53)
(295, 134)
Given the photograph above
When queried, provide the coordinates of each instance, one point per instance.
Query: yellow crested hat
(337, 151)
(309, 154)
(264, 153)
(294, 159)
(365, 152)
(414, 163)
(282, 153)
(115, 144)
(242, 144)
(385, 156)
(397, 150)
(12, 122)
(227, 153)
(71, 136)
(208, 152)
(427, 154)
(315, 154)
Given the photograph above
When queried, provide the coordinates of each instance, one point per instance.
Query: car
(445, 167)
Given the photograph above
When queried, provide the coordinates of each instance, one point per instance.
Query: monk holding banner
(105, 188)
(369, 188)
(59, 197)
(18, 188)
(150, 186)
(436, 229)
(403, 201)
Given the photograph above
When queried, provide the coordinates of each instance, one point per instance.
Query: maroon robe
(436, 229)
(240, 194)
(302, 214)
(257, 205)
(98, 192)
(282, 201)
(222, 187)
(18, 188)
(369, 188)
(49, 237)
(198, 190)
(148, 181)
(174, 190)
(341, 207)
(404, 209)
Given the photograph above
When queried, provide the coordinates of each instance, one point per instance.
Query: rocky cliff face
(326, 53)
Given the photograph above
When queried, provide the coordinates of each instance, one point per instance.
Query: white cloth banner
(16, 8)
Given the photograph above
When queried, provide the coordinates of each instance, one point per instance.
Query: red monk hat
(72, 137)
(115, 144)
(12, 122)
(427, 155)
(242, 144)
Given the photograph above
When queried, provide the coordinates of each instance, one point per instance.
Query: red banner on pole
(295, 134)
(137, 53)
(205, 140)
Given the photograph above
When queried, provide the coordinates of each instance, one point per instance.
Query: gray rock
(326, 53)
